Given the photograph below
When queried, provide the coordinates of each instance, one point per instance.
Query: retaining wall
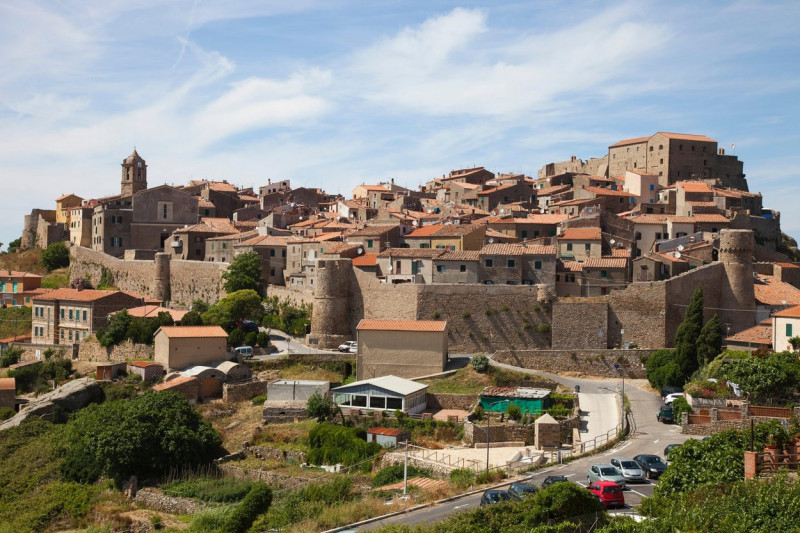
(587, 362)
(240, 392)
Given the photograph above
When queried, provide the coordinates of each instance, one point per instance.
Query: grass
(285, 436)
(27, 261)
(15, 321)
(209, 489)
(313, 372)
(235, 424)
(467, 381)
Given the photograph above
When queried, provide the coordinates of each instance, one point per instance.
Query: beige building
(578, 244)
(785, 326)
(405, 348)
(69, 316)
(179, 347)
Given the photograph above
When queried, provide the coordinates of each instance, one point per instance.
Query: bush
(394, 473)
(323, 408)
(236, 338)
(262, 339)
(664, 369)
(543, 328)
(55, 256)
(462, 477)
(514, 412)
(255, 503)
(192, 318)
(251, 338)
(679, 406)
(10, 356)
(480, 363)
(210, 489)
(145, 436)
(259, 400)
(330, 444)
(6, 413)
(479, 412)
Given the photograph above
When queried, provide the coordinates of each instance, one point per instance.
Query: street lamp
(488, 434)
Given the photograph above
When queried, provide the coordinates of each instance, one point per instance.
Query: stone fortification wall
(300, 296)
(180, 282)
(588, 362)
(240, 392)
(273, 479)
(640, 311)
(580, 324)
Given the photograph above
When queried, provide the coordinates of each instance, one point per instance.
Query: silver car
(606, 472)
(630, 470)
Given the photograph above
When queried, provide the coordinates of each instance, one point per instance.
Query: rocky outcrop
(52, 406)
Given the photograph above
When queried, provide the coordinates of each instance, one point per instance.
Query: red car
(609, 493)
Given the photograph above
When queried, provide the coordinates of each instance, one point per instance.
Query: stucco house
(785, 326)
(179, 347)
(405, 348)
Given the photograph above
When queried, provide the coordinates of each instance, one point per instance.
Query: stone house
(569, 278)
(658, 266)
(13, 283)
(8, 393)
(179, 347)
(643, 186)
(111, 225)
(408, 265)
(405, 348)
(186, 386)
(578, 244)
(532, 227)
(458, 237)
(520, 191)
(376, 238)
(158, 212)
(64, 205)
(517, 264)
(80, 226)
(601, 275)
(69, 316)
(272, 250)
(456, 267)
(373, 194)
(222, 249)
(189, 243)
(613, 201)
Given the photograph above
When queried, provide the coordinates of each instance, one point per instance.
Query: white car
(349, 347)
(672, 397)
(630, 470)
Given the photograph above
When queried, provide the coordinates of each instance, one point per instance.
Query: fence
(444, 459)
(771, 461)
(770, 412)
(700, 419)
(599, 441)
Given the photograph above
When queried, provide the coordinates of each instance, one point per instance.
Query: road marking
(461, 506)
(656, 441)
(568, 475)
(639, 493)
(562, 467)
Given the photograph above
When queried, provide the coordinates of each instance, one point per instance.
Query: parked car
(494, 496)
(520, 490)
(245, 351)
(610, 493)
(668, 449)
(630, 470)
(666, 414)
(667, 390)
(549, 480)
(652, 465)
(606, 472)
(672, 397)
(349, 346)
(247, 326)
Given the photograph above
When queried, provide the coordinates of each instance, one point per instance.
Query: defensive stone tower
(330, 321)
(134, 174)
(161, 287)
(737, 296)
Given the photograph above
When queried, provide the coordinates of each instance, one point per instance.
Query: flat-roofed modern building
(386, 393)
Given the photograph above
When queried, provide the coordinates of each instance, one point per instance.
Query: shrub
(192, 318)
(394, 473)
(480, 363)
(679, 406)
(543, 328)
(514, 412)
(436, 314)
(462, 477)
(255, 503)
(55, 256)
(330, 444)
(479, 412)
(259, 400)
(10, 356)
(465, 315)
(6, 413)
(251, 338)
(210, 489)
(236, 338)
(664, 369)
(262, 339)
(323, 408)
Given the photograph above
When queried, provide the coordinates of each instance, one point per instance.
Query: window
(658, 236)
(604, 273)
(224, 245)
(70, 334)
(272, 252)
(511, 263)
(70, 314)
(587, 246)
(651, 148)
(524, 234)
(440, 268)
(660, 146)
(272, 272)
(369, 243)
(394, 403)
(638, 235)
(537, 265)
(558, 277)
(62, 334)
(788, 330)
(283, 253)
(652, 187)
(377, 402)
(84, 316)
(569, 246)
(62, 312)
(462, 268)
(164, 211)
(489, 263)
(569, 278)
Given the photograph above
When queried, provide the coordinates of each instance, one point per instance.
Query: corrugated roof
(372, 324)
(145, 364)
(392, 383)
(391, 432)
(184, 332)
(515, 392)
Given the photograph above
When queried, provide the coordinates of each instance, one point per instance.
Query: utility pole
(405, 474)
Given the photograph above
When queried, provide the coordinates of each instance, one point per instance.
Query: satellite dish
(430, 211)
(414, 223)
(783, 302)
(360, 250)
(612, 241)
(491, 240)
(502, 211)
(139, 164)
(677, 255)
(389, 268)
(680, 247)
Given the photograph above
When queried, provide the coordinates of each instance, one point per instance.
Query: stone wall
(451, 401)
(273, 479)
(35, 352)
(156, 500)
(276, 454)
(580, 324)
(587, 362)
(90, 350)
(240, 392)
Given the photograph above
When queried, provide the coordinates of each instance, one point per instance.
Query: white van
(245, 351)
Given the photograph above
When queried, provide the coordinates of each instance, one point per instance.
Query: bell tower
(134, 174)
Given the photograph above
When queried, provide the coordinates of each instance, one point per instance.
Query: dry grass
(27, 261)
(236, 423)
(467, 381)
(289, 435)
(302, 371)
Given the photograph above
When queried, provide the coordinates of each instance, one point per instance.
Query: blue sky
(332, 94)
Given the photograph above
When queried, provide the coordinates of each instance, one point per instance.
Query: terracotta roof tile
(759, 334)
(570, 266)
(463, 255)
(8, 384)
(421, 253)
(371, 324)
(366, 260)
(145, 364)
(85, 295)
(391, 432)
(171, 384)
(791, 312)
(500, 248)
(693, 186)
(660, 220)
(709, 218)
(372, 231)
(17, 274)
(635, 140)
(184, 332)
(424, 231)
(605, 262)
(687, 137)
(771, 291)
(581, 234)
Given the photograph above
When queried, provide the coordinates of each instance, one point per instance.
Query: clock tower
(134, 174)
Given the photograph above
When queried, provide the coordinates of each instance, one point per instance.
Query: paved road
(650, 436)
(285, 343)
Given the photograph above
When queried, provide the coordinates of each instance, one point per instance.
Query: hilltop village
(360, 356)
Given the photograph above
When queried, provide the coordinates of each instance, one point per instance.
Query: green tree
(239, 305)
(709, 343)
(116, 329)
(192, 318)
(323, 408)
(688, 333)
(764, 380)
(10, 356)
(255, 503)
(244, 273)
(679, 406)
(200, 306)
(55, 256)
(514, 412)
(13, 245)
(263, 339)
(480, 363)
(236, 338)
(663, 369)
(144, 436)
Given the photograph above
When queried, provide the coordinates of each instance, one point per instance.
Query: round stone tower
(160, 287)
(737, 296)
(330, 321)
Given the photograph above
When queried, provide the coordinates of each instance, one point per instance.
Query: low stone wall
(156, 500)
(273, 479)
(35, 352)
(276, 413)
(438, 400)
(240, 392)
(588, 362)
(276, 454)
(91, 350)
